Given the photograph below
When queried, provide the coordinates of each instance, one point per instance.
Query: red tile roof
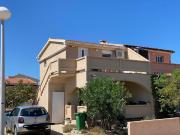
(13, 80)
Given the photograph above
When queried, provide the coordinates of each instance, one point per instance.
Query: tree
(168, 90)
(105, 99)
(19, 94)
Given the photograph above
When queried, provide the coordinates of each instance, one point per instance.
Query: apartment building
(66, 65)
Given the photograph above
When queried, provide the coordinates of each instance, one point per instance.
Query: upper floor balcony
(99, 64)
(163, 67)
(117, 65)
(118, 69)
(112, 65)
(86, 67)
(109, 65)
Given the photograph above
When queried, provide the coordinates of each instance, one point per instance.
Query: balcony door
(82, 52)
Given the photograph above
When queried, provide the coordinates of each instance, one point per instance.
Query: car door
(10, 117)
(7, 119)
(13, 117)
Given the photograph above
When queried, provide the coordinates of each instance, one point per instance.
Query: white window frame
(160, 59)
(80, 50)
(117, 53)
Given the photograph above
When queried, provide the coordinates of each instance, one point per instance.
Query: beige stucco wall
(95, 52)
(72, 52)
(132, 55)
(51, 49)
(143, 80)
(155, 127)
(70, 91)
(98, 52)
(139, 92)
(115, 64)
(81, 79)
(43, 66)
(81, 64)
(44, 98)
(141, 111)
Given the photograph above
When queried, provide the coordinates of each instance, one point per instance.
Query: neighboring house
(160, 59)
(19, 78)
(17, 94)
(66, 65)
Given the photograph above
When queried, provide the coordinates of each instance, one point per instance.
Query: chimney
(103, 42)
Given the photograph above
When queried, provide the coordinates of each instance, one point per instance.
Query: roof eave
(164, 50)
(50, 40)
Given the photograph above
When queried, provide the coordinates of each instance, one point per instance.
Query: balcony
(111, 65)
(118, 69)
(62, 66)
(117, 65)
(66, 66)
(57, 67)
(98, 64)
(163, 67)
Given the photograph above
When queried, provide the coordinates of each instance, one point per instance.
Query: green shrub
(105, 100)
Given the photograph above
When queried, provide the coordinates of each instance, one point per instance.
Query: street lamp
(4, 15)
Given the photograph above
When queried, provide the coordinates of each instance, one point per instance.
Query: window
(106, 53)
(82, 52)
(45, 63)
(120, 53)
(15, 112)
(33, 112)
(159, 59)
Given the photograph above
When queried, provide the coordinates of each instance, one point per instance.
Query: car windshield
(33, 112)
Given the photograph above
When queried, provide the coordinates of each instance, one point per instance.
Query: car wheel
(15, 131)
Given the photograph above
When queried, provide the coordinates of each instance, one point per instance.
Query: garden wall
(170, 126)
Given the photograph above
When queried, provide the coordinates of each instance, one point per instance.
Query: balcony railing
(66, 65)
(117, 65)
(100, 64)
(163, 67)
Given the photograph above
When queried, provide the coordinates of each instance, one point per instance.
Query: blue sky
(152, 23)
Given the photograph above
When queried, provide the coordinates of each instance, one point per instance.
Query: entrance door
(58, 107)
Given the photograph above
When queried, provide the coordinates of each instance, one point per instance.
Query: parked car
(26, 119)
(6, 115)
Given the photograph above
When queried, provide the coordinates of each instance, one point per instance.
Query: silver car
(25, 119)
